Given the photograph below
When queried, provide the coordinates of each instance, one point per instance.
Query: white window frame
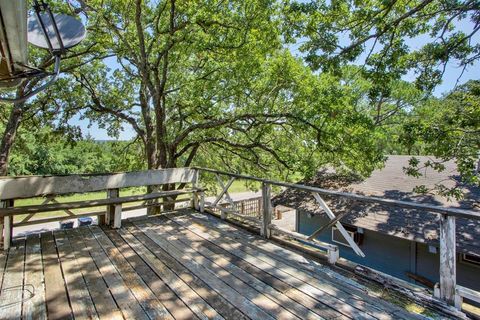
(350, 233)
(465, 260)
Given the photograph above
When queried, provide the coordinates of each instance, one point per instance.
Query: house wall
(392, 255)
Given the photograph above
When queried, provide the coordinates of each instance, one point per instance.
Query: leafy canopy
(208, 83)
(390, 39)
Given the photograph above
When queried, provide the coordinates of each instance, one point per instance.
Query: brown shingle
(391, 182)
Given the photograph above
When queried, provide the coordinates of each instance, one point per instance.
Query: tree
(449, 129)
(210, 84)
(378, 35)
(48, 150)
(43, 104)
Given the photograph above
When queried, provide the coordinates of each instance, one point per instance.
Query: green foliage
(449, 129)
(209, 84)
(46, 152)
(379, 35)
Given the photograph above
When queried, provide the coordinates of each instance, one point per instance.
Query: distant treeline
(50, 152)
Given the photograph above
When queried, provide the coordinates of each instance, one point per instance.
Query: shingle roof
(391, 182)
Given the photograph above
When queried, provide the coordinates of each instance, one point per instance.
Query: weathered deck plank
(274, 267)
(212, 297)
(152, 306)
(238, 293)
(105, 305)
(172, 302)
(300, 268)
(176, 267)
(124, 298)
(248, 273)
(55, 291)
(321, 275)
(191, 298)
(12, 288)
(34, 289)
(318, 307)
(80, 300)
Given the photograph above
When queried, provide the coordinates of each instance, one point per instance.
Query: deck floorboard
(34, 290)
(298, 267)
(12, 291)
(179, 266)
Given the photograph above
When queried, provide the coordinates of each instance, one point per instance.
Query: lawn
(79, 197)
(237, 186)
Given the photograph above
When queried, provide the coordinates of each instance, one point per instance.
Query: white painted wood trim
(339, 226)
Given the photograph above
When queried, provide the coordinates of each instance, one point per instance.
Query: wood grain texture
(80, 300)
(314, 277)
(34, 289)
(448, 273)
(32, 186)
(55, 292)
(183, 265)
(12, 287)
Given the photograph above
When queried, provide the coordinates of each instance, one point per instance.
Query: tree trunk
(8, 137)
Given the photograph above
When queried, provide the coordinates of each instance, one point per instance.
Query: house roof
(392, 183)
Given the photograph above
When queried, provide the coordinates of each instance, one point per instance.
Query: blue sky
(452, 74)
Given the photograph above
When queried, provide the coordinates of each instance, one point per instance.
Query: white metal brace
(339, 226)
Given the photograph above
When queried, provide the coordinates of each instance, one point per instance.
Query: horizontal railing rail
(447, 289)
(15, 188)
(461, 213)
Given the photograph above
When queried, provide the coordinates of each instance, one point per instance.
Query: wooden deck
(181, 266)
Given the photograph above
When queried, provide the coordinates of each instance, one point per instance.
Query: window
(470, 259)
(337, 237)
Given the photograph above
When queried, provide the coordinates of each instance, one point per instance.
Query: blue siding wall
(428, 264)
(392, 255)
(383, 253)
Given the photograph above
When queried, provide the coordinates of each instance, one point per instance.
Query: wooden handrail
(455, 212)
(13, 211)
(34, 186)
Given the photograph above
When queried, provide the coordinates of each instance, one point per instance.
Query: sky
(451, 75)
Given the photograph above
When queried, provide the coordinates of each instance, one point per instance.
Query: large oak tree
(210, 83)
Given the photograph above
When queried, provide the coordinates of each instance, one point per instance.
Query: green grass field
(72, 198)
(237, 186)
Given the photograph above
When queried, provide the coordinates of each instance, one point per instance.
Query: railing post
(195, 204)
(448, 275)
(259, 212)
(267, 210)
(202, 202)
(7, 225)
(114, 211)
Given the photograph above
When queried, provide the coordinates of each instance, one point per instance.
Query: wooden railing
(50, 187)
(250, 207)
(447, 289)
(12, 189)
